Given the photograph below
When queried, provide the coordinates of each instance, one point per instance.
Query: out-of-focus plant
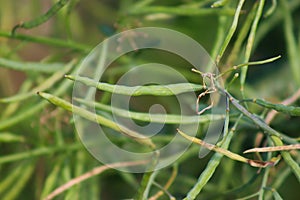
(41, 156)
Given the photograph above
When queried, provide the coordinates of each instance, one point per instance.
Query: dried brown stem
(87, 175)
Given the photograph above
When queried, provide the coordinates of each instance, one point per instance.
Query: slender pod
(157, 118)
(291, 110)
(277, 148)
(225, 152)
(42, 18)
(155, 90)
(96, 118)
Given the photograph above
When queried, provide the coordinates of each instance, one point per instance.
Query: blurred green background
(39, 149)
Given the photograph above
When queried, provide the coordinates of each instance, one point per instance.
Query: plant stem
(97, 118)
(39, 152)
(275, 136)
(231, 30)
(48, 41)
(155, 90)
(183, 11)
(293, 51)
(250, 43)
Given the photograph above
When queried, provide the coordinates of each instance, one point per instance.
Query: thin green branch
(48, 41)
(50, 181)
(155, 90)
(39, 152)
(165, 188)
(220, 37)
(290, 110)
(275, 194)
(157, 118)
(264, 181)
(97, 118)
(250, 43)
(260, 62)
(231, 30)
(20, 183)
(31, 66)
(45, 85)
(251, 196)
(41, 19)
(147, 181)
(148, 178)
(232, 57)
(275, 135)
(279, 180)
(180, 11)
(25, 114)
(270, 23)
(9, 179)
(293, 51)
(294, 165)
(219, 3)
(254, 118)
(222, 21)
(215, 160)
(271, 10)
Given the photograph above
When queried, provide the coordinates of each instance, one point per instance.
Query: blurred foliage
(39, 148)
